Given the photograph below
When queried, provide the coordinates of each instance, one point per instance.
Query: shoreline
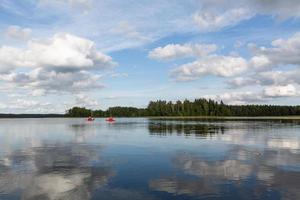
(41, 116)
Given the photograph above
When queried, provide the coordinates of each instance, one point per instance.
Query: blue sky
(55, 54)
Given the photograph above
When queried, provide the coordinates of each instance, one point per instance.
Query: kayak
(110, 119)
(90, 119)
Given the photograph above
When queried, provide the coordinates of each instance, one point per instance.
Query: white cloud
(238, 98)
(10, 58)
(42, 81)
(176, 51)
(224, 66)
(38, 92)
(242, 81)
(83, 100)
(63, 63)
(62, 52)
(282, 52)
(27, 106)
(150, 20)
(215, 170)
(17, 32)
(246, 97)
(281, 91)
(67, 51)
(210, 21)
(260, 62)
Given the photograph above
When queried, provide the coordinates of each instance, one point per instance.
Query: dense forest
(198, 107)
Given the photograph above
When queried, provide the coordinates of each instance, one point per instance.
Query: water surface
(56, 159)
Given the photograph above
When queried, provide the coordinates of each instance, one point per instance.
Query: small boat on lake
(110, 119)
(90, 118)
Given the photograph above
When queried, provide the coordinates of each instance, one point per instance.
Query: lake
(149, 159)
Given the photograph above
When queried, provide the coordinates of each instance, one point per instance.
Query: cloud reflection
(53, 172)
(268, 171)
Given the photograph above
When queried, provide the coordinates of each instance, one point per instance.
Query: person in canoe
(90, 118)
(110, 119)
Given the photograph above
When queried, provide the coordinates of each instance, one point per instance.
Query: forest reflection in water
(186, 129)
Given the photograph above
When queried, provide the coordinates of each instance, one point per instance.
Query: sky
(56, 54)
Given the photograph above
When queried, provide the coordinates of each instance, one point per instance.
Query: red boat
(90, 119)
(110, 119)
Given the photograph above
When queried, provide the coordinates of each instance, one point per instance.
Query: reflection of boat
(110, 119)
(90, 119)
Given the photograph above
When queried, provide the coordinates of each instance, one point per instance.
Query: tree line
(198, 107)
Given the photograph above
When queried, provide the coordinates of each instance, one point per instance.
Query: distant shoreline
(15, 116)
(8, 116)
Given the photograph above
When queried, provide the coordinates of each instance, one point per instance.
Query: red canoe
(110, 119)
(90, 119)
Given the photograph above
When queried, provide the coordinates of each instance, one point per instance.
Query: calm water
(58, 159)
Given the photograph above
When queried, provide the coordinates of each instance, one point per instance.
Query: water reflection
(186, 129)
(53, 172)
(268, 170)
(181, 186)
(55, 159)
(218, 170)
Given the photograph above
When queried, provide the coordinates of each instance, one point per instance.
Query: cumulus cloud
(279, 77)
(17, 32)
(269, 92)
(281, 52)
(224, 66)
(52, 81)
(27, 106)
(67, 52)
(206, 63)
(275, 84)
(176, 51)
(10, 58)
(63, 63)
(61, 52)
(283, 58)
(281, 91)
(241, 81)
(260, 62)
(238, 98)
(86, 101)
(38, 92)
